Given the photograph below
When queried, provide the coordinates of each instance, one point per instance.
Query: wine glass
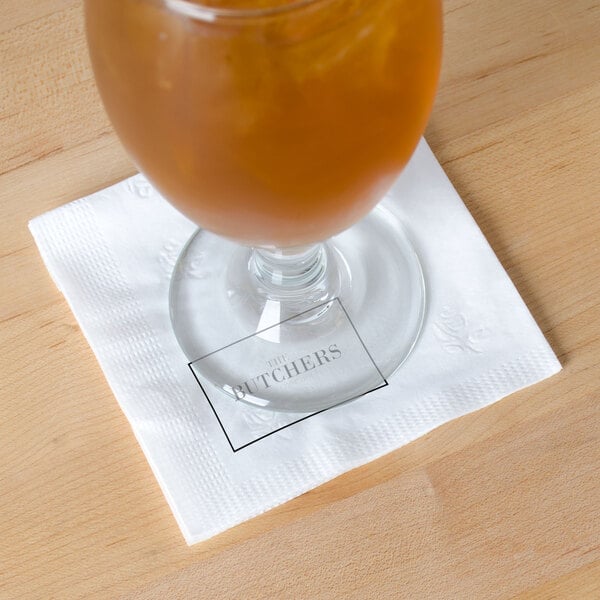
(277, 126)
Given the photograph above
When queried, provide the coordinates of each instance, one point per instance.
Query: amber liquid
(281, 130)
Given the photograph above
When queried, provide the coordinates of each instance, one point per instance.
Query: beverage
(274, 130)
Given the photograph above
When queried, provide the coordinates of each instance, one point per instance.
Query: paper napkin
(111, 255)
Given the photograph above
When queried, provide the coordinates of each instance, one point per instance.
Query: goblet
(277, 126)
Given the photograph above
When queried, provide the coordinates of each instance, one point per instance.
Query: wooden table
(502, 503)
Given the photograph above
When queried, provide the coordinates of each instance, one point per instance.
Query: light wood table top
(501, 503)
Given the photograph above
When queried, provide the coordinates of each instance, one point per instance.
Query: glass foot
(341, 334)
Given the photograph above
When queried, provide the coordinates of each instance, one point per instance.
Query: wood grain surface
(502, 503)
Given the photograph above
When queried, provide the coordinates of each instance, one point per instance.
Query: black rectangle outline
(262, 437)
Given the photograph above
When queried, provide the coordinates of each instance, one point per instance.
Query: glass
(276, 126)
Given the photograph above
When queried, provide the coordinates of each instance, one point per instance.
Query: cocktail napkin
(111, 255)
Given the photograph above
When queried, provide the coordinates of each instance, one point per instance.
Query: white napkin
(111, 255)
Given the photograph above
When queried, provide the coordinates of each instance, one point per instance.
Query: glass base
(339, 339)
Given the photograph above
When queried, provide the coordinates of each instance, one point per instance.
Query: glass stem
(290, 272)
